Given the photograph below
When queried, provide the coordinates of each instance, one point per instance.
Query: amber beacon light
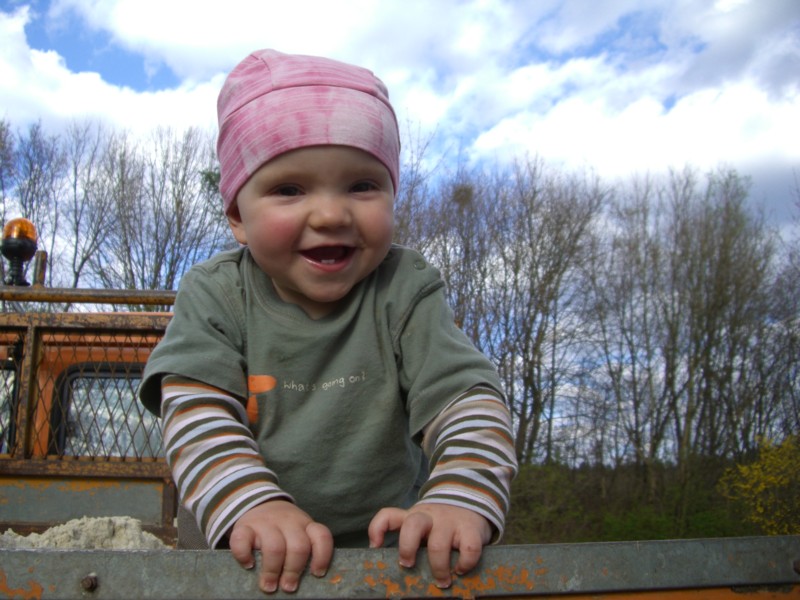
(18, 246)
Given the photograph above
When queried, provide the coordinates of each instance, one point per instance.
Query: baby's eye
(364, 186)
(287, 190)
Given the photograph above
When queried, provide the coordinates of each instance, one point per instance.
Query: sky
(623, 88)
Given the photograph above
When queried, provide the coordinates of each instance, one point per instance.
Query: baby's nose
(330, 211)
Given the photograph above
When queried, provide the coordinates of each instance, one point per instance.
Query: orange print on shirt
(257, 384)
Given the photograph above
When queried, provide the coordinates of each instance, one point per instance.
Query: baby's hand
(286, 536)
(445, 528)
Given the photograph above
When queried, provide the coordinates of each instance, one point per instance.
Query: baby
(314, 389)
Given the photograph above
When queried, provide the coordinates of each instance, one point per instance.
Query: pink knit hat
(272, 103)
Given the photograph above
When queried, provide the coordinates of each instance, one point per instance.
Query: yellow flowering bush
(769, 487)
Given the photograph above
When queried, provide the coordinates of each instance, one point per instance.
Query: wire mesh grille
(103, 417)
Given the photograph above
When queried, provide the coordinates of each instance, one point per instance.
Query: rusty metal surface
(59, 499)
(713, 568)
(36, 494)
(38, 293)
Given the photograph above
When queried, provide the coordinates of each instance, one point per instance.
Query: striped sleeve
(472, 456)
(215, 461)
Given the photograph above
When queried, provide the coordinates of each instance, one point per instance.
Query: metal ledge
(723, 567)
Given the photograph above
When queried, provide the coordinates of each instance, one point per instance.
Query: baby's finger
(273, 553)
(321, 548)
(440, 545)
(386, 519)
(470, 547)
(298, 549)
(242, 543)
(415, 528)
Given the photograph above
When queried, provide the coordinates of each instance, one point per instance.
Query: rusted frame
(109, 322)
(25, 399)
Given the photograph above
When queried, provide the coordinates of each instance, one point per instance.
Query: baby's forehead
(321, 161)
(334, 152)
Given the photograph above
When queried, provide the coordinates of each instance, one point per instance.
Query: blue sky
(623, 87)
(84, 49)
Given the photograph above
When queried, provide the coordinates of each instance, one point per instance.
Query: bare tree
(86, 206)
(416, 223)
(167, 218)
(38, 184)
(533, 250)
(785, 325)
(7, 152)
(120, 183)
(7, 175)
(718, 265)
(624, 290)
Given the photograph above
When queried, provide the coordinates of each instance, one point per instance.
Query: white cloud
(38, 85)
(735, 125)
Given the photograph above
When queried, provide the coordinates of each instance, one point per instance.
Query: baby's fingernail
(406, 564)
(249, 566)
(319, 573)
(290, 587)
(442, 584)
(269, 588)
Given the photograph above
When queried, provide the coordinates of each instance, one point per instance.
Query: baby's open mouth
(328, 255)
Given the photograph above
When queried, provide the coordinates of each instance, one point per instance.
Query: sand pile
(88, 533)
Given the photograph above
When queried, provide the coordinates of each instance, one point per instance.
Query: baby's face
(317, 220)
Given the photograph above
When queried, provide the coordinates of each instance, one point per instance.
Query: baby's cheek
(381, 222)
(279, 233)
